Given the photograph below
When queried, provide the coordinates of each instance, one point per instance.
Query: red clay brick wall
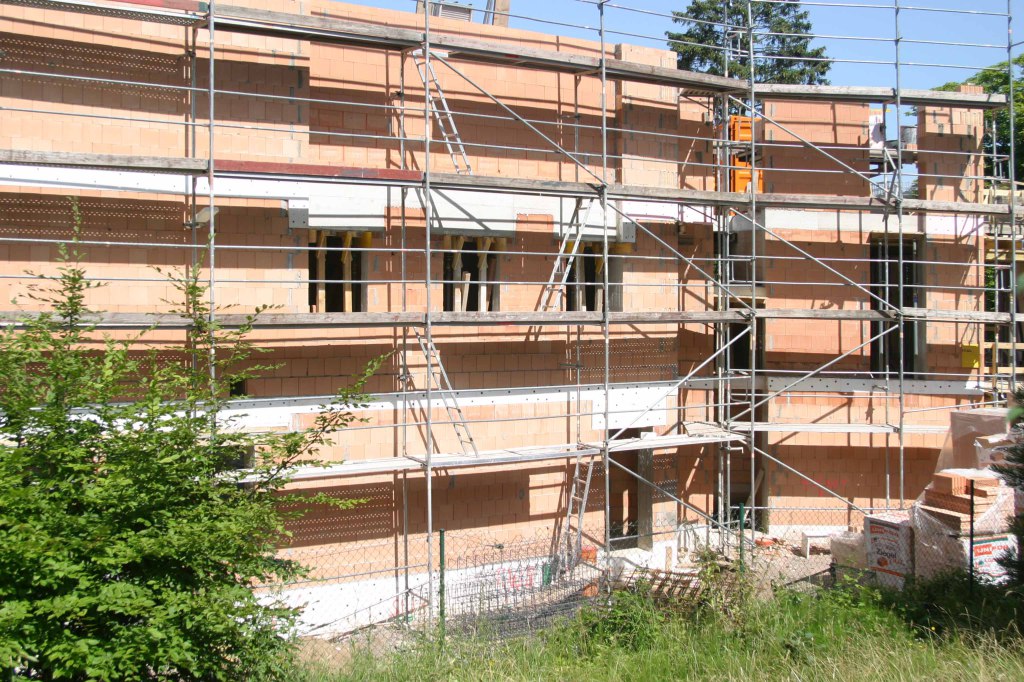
(949, 156)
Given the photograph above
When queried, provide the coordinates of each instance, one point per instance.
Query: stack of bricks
(949, 498)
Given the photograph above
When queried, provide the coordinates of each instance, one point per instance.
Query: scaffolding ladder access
(442, 113)
(570, 543)
(553, 295)
(437, 380)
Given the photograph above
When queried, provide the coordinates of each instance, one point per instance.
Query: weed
(630, 620)
(853, 632)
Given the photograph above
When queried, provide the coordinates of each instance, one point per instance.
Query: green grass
(852, 633)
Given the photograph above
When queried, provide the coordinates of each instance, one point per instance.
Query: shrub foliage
(129, 539)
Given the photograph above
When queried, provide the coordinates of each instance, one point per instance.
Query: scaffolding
(581, 300)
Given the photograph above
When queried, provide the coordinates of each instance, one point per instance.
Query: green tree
(996, 79)
(129, 539)
(1012, 472)
(782, 50)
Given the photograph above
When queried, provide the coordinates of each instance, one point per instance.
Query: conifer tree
(782, 48)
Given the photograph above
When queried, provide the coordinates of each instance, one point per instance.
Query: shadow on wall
(854, 472)
(463, 500)
(71, 58)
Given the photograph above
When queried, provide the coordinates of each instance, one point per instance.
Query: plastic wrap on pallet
(964, 428)
(889, 538)
(992, 449)
(849, 553)
(940, 549)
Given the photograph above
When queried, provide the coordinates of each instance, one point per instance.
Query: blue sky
(867, 21)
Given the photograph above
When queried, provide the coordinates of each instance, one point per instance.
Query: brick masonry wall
(950, 148)
(789, 166)
(261, 262)
(354, 117)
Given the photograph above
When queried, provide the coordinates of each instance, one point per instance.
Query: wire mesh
(378, 572)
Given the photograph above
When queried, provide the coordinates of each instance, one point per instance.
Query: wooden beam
(577, 280)
(153, 164)
(500, 318)
(501, 10)
(845, 93)
(460, 291)
(321, 272)
(822, 314)
(935, 315)
(483, 246)
(346, 273)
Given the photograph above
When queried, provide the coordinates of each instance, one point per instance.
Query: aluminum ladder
(570, 545)
(437, 379)
(442, 113)
(553, 296)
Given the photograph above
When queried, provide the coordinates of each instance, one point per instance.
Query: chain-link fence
(378, 578)
(499, 589)
(960, 522)
(468, 583)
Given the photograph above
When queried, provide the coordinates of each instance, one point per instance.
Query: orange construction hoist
(741, 129)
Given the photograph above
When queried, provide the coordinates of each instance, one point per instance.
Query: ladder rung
(442, 113)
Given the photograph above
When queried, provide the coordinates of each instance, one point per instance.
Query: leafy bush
(950, 603)
(630, 620)
(1012, 472)
(128, 542)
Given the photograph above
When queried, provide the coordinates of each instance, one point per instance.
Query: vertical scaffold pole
(403, 371)
(1012, 202)
(440, 583)
(755, 225)
(722, 249)
(898, 200)
(606, 369)
(428, 331)
(193, 181)
(212, 235)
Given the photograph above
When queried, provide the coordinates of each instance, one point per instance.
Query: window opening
(237, 456)
(236, 388)
(336, 274)
(471, 274)
(886, 275)
(584, 286)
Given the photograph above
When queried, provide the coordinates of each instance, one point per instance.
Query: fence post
(970, 547)
(440, 584)
(739, 534)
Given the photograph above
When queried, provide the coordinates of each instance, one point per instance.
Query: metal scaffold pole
(754, 227)
(900, 267)
(723, 249)
(403, 370)
(605, 317)
(830, 292)
(210, 174)
(428, 330)
(1012, 200)
(192, 146)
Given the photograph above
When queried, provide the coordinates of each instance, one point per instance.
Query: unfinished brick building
(625, 301)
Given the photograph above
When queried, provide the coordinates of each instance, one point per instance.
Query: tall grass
(853, 633)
